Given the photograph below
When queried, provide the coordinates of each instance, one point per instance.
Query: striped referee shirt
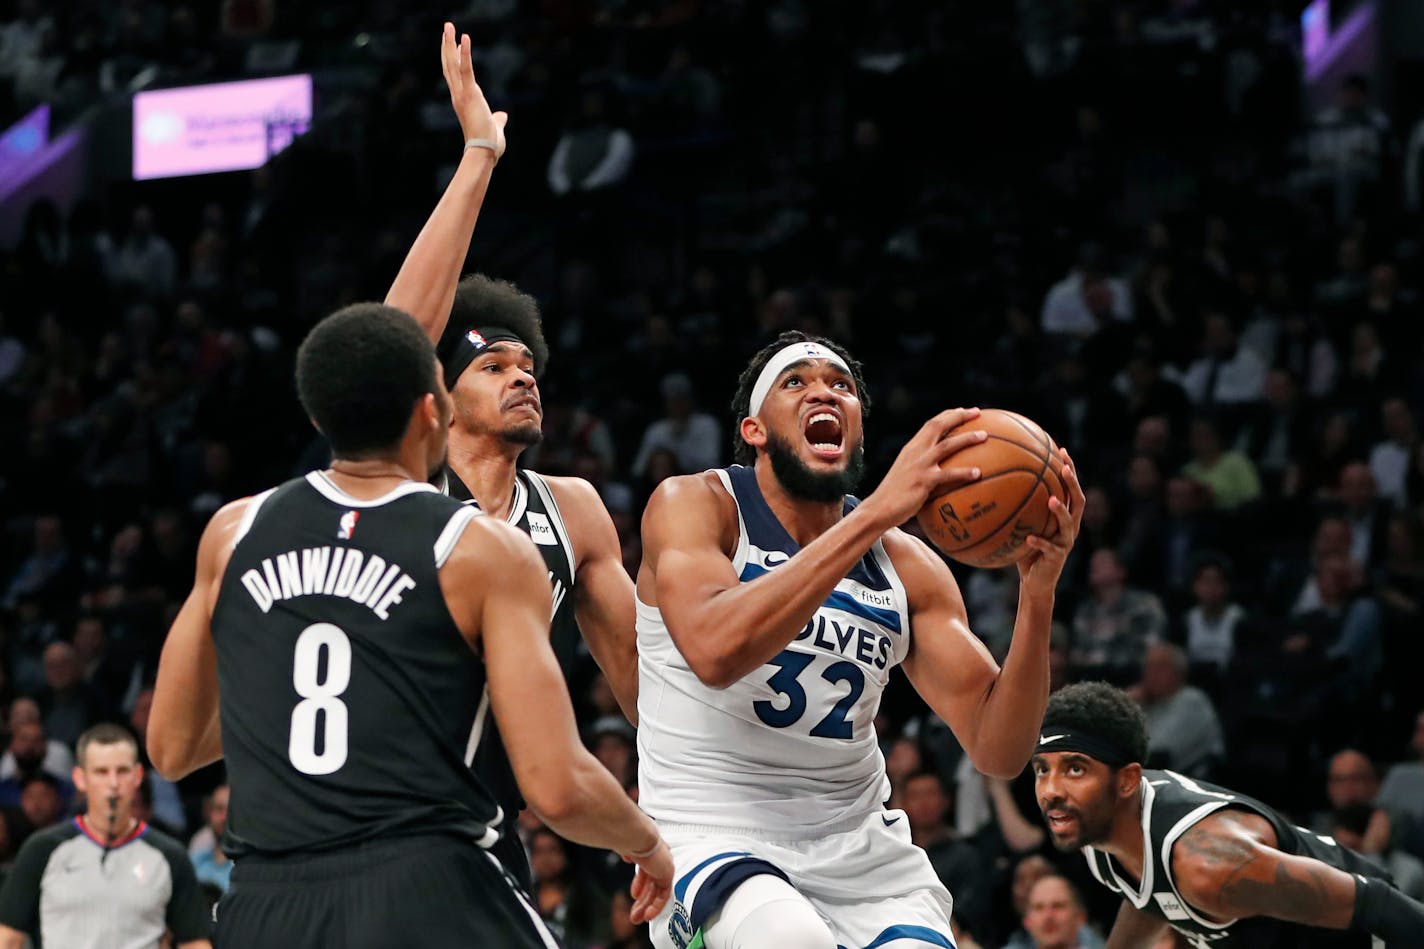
(66, 894)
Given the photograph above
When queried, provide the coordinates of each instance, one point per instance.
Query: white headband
(776, 365)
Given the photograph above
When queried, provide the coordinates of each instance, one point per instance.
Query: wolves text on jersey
(327, 571)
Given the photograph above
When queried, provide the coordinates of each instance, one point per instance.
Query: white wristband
(489, 143)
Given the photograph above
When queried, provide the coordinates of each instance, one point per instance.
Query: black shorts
(431, 891)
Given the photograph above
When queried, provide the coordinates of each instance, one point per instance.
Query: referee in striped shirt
(106, 879)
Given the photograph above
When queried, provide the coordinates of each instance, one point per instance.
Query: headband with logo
(1058, 738)
(468, 347)
(783, 360)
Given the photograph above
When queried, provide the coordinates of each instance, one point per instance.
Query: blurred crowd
(1119, 218)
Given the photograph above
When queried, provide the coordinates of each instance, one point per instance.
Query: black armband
(1383, 911)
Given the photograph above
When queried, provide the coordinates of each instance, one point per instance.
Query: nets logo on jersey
(348, 525)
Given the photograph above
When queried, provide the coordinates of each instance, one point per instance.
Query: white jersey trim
(250, 515)
(1141, 894)
(534, 918)
(556, 516)
(1178, 829)
(477, 730)
(329, 490)
(450, 536)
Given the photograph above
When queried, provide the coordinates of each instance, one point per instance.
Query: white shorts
(870, 884)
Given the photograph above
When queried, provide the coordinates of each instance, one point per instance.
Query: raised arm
(1227, 866)
(497, 589)
(1134, 929)
(183, 729)
(425, 286)
(725, 628)
(603, 591)
(995, 713)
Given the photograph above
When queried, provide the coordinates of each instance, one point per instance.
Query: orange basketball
(985, 523)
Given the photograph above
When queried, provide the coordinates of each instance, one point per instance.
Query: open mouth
(524, 402)
(823, 434)
(1061, 821)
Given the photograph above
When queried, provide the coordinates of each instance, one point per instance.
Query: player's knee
(784, 924)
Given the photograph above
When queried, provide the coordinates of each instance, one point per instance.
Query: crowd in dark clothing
(1118, 219)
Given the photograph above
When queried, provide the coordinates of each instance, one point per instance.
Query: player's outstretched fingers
(950, 419)
(946, 447)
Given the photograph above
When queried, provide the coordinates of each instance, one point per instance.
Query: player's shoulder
(702, 488)
(918, 565)
(488, 540)
(576, 497)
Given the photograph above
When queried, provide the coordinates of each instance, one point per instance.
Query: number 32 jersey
(348, 696)
(790, 747)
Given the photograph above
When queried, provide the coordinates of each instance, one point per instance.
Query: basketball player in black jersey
(492, 350)
(347, 638)
(1225, 871)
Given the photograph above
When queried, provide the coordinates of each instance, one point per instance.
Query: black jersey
(1172, 804)
(534, 511)
(349, 698)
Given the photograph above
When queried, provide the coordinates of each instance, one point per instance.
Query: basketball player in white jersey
(771, 608)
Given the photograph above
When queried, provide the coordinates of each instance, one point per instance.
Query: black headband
(1059, 738)
(469, 346)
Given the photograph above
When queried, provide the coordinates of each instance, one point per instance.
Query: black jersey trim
(329, 490)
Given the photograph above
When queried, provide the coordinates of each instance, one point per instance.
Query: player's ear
(77, 776)
(1129, 777)
(753, 432)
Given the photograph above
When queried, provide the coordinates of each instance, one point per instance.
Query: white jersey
(791, 747)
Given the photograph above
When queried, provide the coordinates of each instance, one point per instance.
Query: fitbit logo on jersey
(329, 571)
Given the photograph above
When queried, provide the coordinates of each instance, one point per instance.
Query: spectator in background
(145, 263)
(49, 573)
(1183, 729)
(1080, 303)
(1113, 628)
(29, 753)
(1055, 918)
(1209, 627)
(1277, 432)
(1347, 147)
(1403, 788)
(1390, 458)
(1350, 826)
(692, 436)
(593, 154)
(1366, 515)
(69, 704)
(1226, 375)
(957, 862)
(622, 934)
(20, 755)
(205, 848)
(565, 903)
(1227, 474)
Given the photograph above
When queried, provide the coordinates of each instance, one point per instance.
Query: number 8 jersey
(791, 747)
(349, 699)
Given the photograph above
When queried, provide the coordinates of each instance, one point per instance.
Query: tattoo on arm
(1234, 874)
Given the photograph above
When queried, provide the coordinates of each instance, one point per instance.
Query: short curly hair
(360, 373)
(1100, 709)
(744, 454)
(485, 301)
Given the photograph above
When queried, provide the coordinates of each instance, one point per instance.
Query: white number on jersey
(320, 697)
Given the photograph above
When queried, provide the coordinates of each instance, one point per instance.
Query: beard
(527, 434)
(1092, 829)
(801, 482)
